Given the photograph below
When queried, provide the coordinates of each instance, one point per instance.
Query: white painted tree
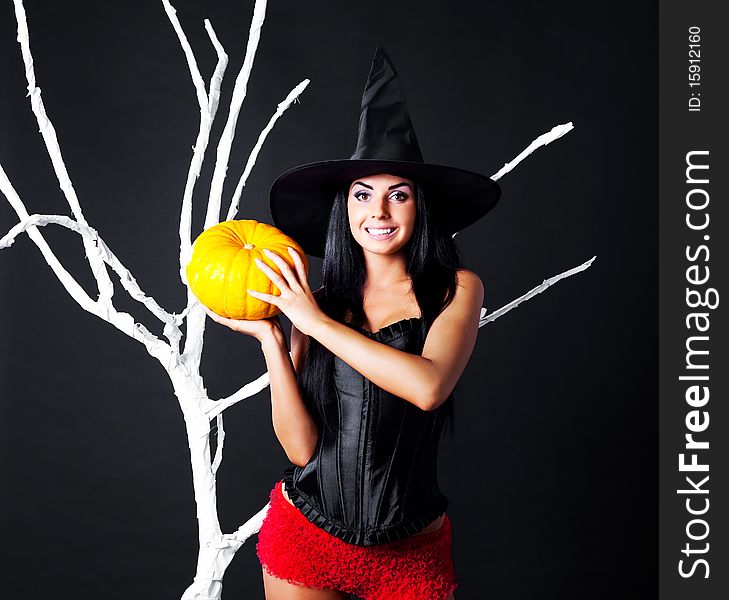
(216, 549)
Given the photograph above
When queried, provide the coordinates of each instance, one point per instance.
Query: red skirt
(292, 548)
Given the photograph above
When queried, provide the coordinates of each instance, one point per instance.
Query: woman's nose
(379, 208)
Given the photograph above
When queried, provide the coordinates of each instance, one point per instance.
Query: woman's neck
(384, 270)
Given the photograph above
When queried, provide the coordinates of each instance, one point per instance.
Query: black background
(552, 471)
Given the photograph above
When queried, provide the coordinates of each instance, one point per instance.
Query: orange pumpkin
(222, 267)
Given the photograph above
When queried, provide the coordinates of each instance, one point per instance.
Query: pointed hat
(302, 197)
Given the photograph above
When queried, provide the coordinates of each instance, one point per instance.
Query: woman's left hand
(296, 300)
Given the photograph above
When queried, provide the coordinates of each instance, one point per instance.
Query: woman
(375, 354)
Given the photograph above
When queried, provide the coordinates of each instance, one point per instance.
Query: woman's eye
(364, 196)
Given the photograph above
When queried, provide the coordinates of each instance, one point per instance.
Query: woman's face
(381, 211)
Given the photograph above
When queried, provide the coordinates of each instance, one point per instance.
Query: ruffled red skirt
(292, 548)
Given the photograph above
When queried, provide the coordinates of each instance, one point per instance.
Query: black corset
(373, 477)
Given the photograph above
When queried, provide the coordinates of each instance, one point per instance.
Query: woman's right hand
(259, 329)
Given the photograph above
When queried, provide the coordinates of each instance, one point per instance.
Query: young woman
(376, 351)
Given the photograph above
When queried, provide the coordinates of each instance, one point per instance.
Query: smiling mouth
(380, 233)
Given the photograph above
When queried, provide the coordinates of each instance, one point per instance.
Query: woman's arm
(292, 423)
(426, 380)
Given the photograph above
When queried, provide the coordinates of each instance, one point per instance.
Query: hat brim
(302, 197)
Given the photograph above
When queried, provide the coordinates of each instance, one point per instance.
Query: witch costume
(371, 485)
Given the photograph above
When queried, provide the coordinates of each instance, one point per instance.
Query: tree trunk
(215, 552)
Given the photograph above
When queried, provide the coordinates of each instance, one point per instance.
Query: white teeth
(380, 231)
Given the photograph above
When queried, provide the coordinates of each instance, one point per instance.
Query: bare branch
(293, 95)
(103, 309)
(533, 292)
(214, 408)
(546, 138)
(217, 77)
(197, 80)
(251, 526)
(225, 144)
(198, 156)
(555, 133)
(208, 104)
(106, 289)
(76, 291)
(125, 277)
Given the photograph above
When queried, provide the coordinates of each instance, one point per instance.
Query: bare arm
(292, 423)
(425, 381)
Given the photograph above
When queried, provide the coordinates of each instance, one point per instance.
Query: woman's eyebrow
(392, 187)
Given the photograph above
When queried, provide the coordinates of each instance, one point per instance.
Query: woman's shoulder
(469, 294)
(469, 280)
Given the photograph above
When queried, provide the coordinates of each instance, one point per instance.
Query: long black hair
(432, 262)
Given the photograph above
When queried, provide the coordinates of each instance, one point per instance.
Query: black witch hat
(302, 197)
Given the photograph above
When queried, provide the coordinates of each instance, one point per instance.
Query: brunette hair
(432, 262)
